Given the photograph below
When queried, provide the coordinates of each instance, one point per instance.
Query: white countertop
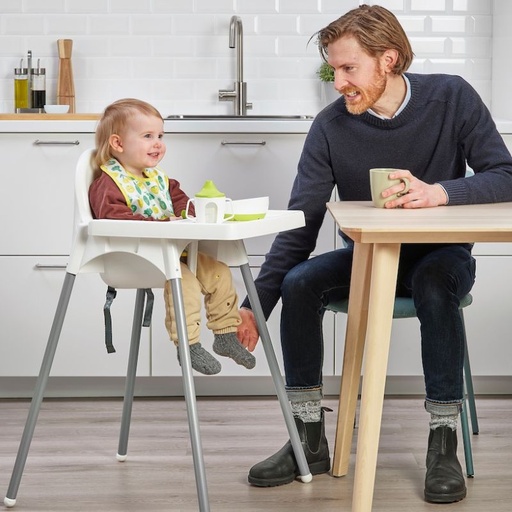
(69, 123)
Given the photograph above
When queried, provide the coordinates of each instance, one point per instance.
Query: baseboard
(69, 387)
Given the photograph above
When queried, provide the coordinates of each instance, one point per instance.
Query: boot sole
(445, 498)
(316, 468)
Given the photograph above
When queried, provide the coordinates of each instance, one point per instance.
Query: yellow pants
(213, 280)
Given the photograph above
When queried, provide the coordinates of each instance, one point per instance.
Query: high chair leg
(130, 375)
(190, 395)
(276, 373)
(42, 380)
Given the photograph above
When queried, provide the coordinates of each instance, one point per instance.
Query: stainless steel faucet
(239, 93)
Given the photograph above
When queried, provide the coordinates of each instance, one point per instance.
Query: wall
(175, 54)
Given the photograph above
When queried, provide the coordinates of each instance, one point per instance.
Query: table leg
(380, 317)
(190, 395)
(276, 374)
(353, 357)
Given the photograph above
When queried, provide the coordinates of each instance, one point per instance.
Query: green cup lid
(210, 190)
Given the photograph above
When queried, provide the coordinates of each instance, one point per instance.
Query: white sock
(443, 421)
(308, 412)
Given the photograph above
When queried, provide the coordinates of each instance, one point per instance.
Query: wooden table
(378, 234)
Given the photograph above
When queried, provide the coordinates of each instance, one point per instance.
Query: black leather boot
(444, 481)
(281, 468)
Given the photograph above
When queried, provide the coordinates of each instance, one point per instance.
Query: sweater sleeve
(485, 152)
(179, 199)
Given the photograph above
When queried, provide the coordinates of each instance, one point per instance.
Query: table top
(364, 223)
(187, 229)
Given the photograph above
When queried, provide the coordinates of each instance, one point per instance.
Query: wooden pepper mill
(65, 85)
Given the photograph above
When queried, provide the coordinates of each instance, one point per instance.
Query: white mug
(210, 210)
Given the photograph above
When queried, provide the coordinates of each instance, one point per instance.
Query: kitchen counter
(86, 123)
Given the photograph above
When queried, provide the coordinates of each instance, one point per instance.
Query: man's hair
(376, 30)
(112, 121)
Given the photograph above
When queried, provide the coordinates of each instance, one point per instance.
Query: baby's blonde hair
(112, 122)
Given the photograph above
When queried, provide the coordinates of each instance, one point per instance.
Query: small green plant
(325, 72)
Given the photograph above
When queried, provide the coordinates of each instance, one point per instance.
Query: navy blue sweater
(444, 126)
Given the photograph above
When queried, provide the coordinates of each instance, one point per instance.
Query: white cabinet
(39, 170)
(164, 352)
(30, 292)
(241, 165)
(37, 240)
(489, 318)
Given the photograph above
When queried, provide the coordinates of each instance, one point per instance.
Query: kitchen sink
(199, 117)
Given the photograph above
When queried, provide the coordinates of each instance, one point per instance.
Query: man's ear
(389, 58)
(116, 143)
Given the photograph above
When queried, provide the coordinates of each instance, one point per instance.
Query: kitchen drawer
(30, 290)
(39, 171)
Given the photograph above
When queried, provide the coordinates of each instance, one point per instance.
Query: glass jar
(21, 91)
(38, 92)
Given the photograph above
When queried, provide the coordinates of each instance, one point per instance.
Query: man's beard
(368, 96)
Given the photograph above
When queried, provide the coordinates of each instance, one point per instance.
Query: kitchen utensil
(65, 85)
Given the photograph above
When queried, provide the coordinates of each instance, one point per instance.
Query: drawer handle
(40, 266)
(56, 142)
(243, 143)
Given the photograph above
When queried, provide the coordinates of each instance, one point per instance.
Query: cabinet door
(30, 291)
(489, 318)
(164, 352)
(242, 166)
(42, 167)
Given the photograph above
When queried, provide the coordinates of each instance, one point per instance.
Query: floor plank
(72, 465)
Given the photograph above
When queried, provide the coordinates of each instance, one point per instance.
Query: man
(430, 127)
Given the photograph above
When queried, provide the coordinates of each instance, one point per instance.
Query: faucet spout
(238, 95)
(236, 40)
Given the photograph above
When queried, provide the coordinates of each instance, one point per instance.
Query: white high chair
(142, 255)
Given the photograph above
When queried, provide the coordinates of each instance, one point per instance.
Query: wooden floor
(72, 465)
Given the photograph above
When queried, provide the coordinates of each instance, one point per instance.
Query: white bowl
(56, 109)
(250, 209)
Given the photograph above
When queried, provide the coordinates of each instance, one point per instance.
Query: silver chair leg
(42, 380)
(276, 373)
(190, 395)
(131, 375)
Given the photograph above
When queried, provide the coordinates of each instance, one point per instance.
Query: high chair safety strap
(111, 295)
(150, 299)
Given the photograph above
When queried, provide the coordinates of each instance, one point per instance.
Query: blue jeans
(435, 276)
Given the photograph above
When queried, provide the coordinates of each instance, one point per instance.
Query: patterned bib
(148, 196)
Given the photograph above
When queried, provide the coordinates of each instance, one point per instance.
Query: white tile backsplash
(175, 54)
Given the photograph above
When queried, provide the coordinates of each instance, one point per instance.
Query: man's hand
(247, 331)
(420, 194)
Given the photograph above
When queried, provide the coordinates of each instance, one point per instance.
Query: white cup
(210, 210)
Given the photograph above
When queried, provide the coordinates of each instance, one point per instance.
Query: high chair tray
(274, 222)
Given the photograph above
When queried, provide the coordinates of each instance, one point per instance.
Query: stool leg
(469, 382)
(276, 374)
(130, 375)
(42, 380)
(190, 395)
(468, 453)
